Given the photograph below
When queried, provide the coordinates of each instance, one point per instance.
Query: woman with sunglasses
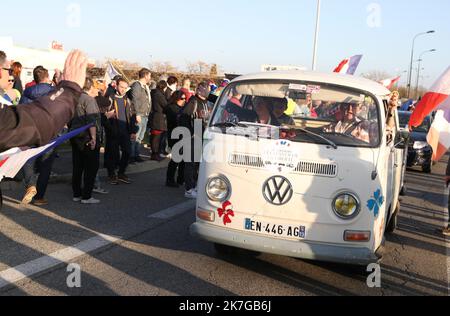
(173, 112)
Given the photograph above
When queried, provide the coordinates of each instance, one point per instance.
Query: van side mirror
(402, 139)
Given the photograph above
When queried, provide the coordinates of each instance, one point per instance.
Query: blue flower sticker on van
(376, 203)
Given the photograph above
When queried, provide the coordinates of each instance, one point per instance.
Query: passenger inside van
(263, 111)
(264, 108)
(279, 108)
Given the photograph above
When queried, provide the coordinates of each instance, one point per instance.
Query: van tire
(393, 223)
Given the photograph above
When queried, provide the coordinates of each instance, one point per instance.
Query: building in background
(51, 58)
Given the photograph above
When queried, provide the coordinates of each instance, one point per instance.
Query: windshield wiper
(355, 140)
(331, 143)
(229, 124)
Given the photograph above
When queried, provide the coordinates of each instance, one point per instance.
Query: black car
(419, 151)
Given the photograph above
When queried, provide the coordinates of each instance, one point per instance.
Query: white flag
(111, 72)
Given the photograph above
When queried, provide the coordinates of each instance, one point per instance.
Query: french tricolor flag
(13, 160)
(348, 66)
(437, 99)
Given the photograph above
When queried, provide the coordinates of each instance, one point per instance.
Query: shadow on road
(132, 263)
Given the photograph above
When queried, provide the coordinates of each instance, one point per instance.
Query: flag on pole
(438, 93)
(111, 72)
(389, 83)
(439, 135)
(14, 159)
(348, 66)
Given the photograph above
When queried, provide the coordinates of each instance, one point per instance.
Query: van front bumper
(288, 248)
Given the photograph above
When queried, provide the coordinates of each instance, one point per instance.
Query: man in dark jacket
(120, 130)
(41, 88)
(196, 110)
(173, 112)
(158, 122)
(141, 100)
(37, 123)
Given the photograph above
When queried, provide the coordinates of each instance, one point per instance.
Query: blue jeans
(140, 135)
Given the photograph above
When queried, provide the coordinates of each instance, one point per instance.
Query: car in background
(419, 151)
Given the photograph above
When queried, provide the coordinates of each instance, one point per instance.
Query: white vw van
(301, 164)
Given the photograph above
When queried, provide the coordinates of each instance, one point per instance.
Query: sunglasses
(11, 80)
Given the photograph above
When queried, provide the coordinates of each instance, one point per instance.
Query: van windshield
(300, 112)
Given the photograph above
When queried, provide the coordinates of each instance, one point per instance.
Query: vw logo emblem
(278, 190)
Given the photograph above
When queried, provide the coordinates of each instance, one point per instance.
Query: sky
(241, 35)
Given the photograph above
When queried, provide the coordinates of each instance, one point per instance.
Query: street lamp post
(412, 59)
(418, 69)
(316, 37)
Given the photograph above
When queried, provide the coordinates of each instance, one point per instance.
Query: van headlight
(218, 189)
(346, 205)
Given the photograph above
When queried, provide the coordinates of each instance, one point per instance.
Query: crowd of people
(120, 116)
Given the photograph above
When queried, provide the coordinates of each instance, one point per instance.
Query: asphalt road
(137, 243)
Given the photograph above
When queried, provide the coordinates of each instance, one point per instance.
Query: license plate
(276, 230)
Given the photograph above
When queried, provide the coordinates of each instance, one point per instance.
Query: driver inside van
(350, 124)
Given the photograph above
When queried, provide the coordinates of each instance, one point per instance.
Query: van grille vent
(328, 169)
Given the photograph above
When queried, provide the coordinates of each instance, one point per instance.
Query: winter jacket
(168, 93)
(86, 113)
(18, 84)
(37, 123)
(158, 116)
(140, 99)
(173, 113)
(196, 109)
(111, 126)
(35, 92)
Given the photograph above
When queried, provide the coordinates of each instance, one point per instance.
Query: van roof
(317, 77)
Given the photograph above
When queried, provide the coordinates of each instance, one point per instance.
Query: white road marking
(174, 211)
(66, 255)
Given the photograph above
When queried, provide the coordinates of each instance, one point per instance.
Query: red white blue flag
(349, 65)
(13, 160)
(437, 99)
